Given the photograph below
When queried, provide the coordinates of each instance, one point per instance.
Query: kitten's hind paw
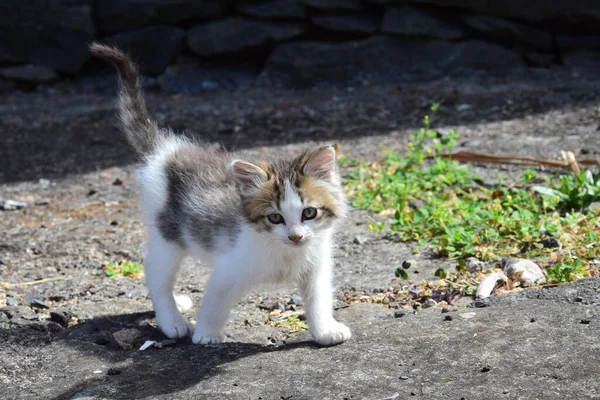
(201, 338)
(334, 334)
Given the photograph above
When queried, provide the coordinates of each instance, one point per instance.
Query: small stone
(505, 391)
(44, 182)
(11, 301)
(9, 205)
(480, 303)
(359, 240)
(474, 264)
(42, 202)
(448, 309)
(532, 320)
(117, 182)
(526, 272)
(486, 369)
(38, 303)
(97, 371)
(114, 223)
(126, 339)
(404, 378)
(278, 305)
(61, 317)
(585, 321)
(92, 192)
(113, 371)
(550, 243)
(402, 313)
(579, 299)
(448, 317)
(429, 303)
(296, 300)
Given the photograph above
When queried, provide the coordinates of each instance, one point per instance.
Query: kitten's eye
(275, 218)
(309, 213)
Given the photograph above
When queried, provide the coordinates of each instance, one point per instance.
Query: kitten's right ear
(249, 177)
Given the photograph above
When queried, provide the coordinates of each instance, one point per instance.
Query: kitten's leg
(161, 267)
(316, 288)
(223, 290)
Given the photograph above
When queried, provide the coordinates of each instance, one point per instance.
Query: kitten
(252, 222)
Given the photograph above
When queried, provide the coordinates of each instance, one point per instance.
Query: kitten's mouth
(296, 244)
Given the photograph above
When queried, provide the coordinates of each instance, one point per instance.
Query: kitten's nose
(295, 238)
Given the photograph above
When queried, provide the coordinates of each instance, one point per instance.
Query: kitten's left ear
(321, 164)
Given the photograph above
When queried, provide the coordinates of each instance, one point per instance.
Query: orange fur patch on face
(255, 207)
(319, 196)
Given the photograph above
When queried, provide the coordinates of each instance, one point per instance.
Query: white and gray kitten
(252, 222)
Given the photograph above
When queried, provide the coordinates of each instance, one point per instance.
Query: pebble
(486, 369)
(585, 321)
(9, 205)
(297, 300)
(404, 378)
(117, 182)
(11, 301)
(113, 371)
(480, 303)
(43, 202)
(126, 339)
(359, 240)
(402, 313)
(526, 272)
(429, 303)
(448, 317)
(278, 305)
(474, 264)
(38, 303)
(61, 317)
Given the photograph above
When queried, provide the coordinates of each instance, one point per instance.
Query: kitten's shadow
(147, 374)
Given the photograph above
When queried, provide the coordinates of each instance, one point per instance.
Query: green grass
(424, 197)
(123, 268)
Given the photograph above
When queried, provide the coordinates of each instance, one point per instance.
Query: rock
(350, 23)
(47, 34)
(474, 264)
(409, 21)
(42, 202)
(577, 42)
(238, 34)
(194, 76)
(334, 5)
(152, 47)
(402, 313)
(304, 64)
(126, 339)
(11, 301)
(61, 317)
(38, 303)
(536, 59)
(429, 303)
(272, 9)
(480, 303)
(15, 313)
(120, 15)
(486, 369)
(404, 378)
(448, 317)
(29, 73)
(278, 305)
(526, 272)
(582, 14)
(113, 371)
(297, 300)
(9, 205)
(550, 243)
(510, 33)
(360, 240)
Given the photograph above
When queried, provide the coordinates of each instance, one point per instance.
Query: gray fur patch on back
(202, 198)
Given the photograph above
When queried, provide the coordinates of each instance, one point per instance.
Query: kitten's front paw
(336, 333)
(175, 328)
(203, 337)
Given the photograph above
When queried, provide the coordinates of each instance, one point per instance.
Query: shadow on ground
(51, 134)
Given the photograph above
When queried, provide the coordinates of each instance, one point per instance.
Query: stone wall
(193, 45)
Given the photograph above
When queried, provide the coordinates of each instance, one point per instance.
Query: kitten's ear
(250, 177)
(321, 164)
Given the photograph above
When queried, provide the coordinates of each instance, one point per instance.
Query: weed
(293, 323)
(426, 197)
(123, 268)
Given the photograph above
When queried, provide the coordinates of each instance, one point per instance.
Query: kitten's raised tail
(141, 132)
